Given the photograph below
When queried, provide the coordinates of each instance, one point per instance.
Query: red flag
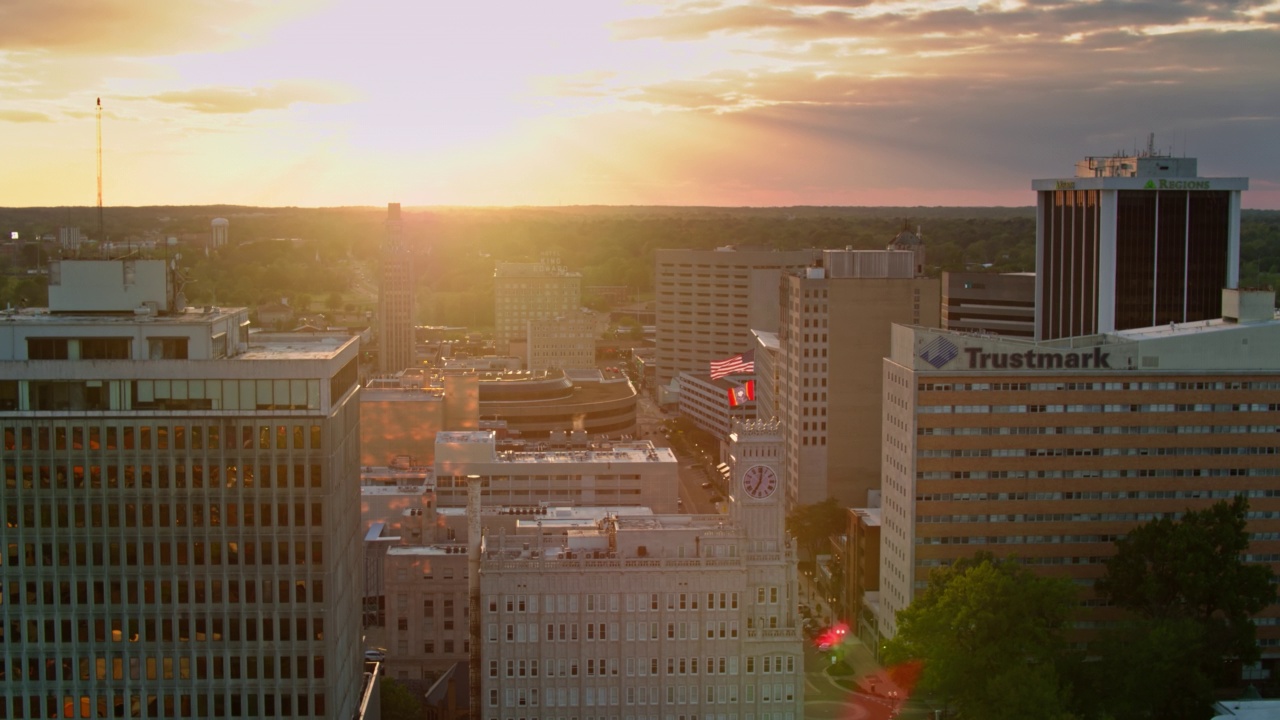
(741, 394)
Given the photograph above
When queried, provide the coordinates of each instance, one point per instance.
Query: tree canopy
(397, 702)
(990, 635)
(812, 525)
(1191, 596)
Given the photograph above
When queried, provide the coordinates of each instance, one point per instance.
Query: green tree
(990, 636)
(397, 702)
(1192, 597)
(812, 525)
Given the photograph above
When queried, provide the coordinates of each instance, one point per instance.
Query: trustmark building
(1131, 242)
(1052, 450)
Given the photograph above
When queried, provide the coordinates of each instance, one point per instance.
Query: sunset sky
(558, 102)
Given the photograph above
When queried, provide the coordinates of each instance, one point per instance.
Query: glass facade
(1171, 254)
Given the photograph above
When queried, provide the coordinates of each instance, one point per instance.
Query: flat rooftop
(191, 315)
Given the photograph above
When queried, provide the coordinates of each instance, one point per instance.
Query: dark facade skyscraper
(182, 517)
(395, 298)
(1133, 242)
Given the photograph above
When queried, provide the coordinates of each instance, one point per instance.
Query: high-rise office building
(395, 298)
(709, 301)
(1134, 242)
(1053, 450)
(181, 508)
(835, 332)
(535, 292)
(988, 302)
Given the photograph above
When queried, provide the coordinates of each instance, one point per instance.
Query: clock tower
(758, 492)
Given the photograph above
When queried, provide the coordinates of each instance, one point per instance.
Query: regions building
(532, 292)
(181, 507)
(989, 303)
(395, 298)
(660, 616)
(1052, 450)
(834, 335)
(1132, 242)
(709, 301)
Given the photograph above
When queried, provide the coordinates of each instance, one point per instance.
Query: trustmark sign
(940, 351)
(1032, 360)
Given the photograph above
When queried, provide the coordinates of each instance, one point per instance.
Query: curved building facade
(534, 405)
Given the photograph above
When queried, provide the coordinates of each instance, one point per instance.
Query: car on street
(375, 654)
(717, 498)
(706, 486)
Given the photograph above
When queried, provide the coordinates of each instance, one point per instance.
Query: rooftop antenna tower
(101, 237)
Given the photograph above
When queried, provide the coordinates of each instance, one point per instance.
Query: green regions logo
(1177, 185)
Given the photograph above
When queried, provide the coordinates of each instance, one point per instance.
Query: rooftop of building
(767, 339)
(186, 316)
(293, 346)
(634, 451)
(533, 270)
(1251, 325)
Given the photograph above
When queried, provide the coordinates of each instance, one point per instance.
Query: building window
(47, 348)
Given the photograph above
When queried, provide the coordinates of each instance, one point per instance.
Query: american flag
(741, 364)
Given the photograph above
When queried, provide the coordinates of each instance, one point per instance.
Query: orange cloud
(134, 28)
(23, 116)
(229, 100)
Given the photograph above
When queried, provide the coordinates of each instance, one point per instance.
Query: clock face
(759, 481)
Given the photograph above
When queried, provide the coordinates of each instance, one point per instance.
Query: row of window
(169, 705)
(164, 554)
(1070, 517)
(1098, 407)
(724, 665)
(1097, 495)
(676, 695)
(642, 631)
(1095, 452)
(634, 602)
(162, 477)
(134, 592)
(115, 666)
(212, 630)
(1092, 473)
(1108, 386)
(1016, 539)
(169, 395)
(1104, 430)
(162, 515)
(75, 436)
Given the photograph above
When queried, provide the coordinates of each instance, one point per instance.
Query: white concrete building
(661, 616)
(181, 508)
(632, 473)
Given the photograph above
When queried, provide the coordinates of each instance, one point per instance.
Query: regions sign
(1178, 185)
